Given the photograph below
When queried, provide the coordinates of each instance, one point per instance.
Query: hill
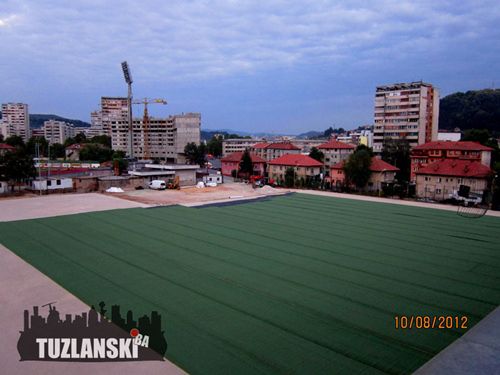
(473, 109)
(37, 120)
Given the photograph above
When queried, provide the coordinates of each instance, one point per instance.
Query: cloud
(200, 39)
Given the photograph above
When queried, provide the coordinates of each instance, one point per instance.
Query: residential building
(442, 179)
(96, 128)
(164, 138)
(232, 145)
(382, 174)
(4, 148)
(270, 151)
(231, 162)
(406, 111)
(73, 151)
(303, 166)
(335, 151)
(57, 131)
(434, 151)
(37, 132)
(15, 120)
(114, 110)
(449, 136)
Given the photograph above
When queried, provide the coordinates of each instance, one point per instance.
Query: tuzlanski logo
(91, 336)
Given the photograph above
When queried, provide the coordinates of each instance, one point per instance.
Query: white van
(158, 185)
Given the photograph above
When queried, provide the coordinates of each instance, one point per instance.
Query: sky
(255, 66)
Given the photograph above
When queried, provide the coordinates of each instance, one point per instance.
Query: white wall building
(52, 184)
(406, 111)
(15, 120)
(57, 131)
(232, 145)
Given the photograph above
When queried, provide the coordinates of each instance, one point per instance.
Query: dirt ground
(194, 195)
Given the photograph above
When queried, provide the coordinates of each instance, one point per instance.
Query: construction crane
(145, 121)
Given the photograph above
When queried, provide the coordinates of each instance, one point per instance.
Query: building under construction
(153, 138)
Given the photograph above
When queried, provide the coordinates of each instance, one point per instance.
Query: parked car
(158, 185)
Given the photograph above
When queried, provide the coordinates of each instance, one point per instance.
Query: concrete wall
(440, 187)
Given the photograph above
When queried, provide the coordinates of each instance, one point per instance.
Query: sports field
(292, 284)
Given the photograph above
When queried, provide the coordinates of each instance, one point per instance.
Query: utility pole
(128, 80)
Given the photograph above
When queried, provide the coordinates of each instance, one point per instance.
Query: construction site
(257, 280)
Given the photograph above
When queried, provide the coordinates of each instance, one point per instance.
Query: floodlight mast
(128, 80)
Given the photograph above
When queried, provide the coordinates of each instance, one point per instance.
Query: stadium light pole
(128, 80)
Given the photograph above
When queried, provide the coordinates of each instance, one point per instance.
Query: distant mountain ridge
(37, 120)
(475, 109)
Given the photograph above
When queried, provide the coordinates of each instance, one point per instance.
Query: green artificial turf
(295, 284)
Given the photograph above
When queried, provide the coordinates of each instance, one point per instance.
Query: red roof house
(442, 179)
(382, 173)
(431, 152)
(4, 148)
(232, 162)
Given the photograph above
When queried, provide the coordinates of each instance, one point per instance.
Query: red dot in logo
(134, 332)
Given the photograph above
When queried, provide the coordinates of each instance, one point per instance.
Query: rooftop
(453, 145)
(283, 293)
(377, 165)
(334, 144)
(456, 168)
(296, 160)
(236, 157)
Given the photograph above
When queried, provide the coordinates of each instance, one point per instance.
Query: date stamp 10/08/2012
(430, 322)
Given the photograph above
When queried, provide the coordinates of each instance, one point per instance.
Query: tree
(214, 146)
(472, 109)
(196, 154)
(80, 138)
(364, 147)
(42, 144)
(16, 167)
(104, 140)
(246, 166)
(119, 157)
(317, 154)
(290, 177)
(357, 168)
(15, 141)
(95, 152)
(57, 150)
(397, 153)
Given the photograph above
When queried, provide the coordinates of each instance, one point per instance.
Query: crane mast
(145, 122)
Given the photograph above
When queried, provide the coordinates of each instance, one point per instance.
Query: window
(49, 183)
(58, 182)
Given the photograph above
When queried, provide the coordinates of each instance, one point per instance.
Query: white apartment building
(406, 111)
(232, 145)
(113, 109)
(96, 127)
(57, 131)
(15, 120)
(164, 138)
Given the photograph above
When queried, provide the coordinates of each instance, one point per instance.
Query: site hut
(52, 185)
(185, 172)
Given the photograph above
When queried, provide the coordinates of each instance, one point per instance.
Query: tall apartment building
(406, 111)
(113, 110)
(57, 131)
(164, 139)
(15, 120)
(96, 127)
